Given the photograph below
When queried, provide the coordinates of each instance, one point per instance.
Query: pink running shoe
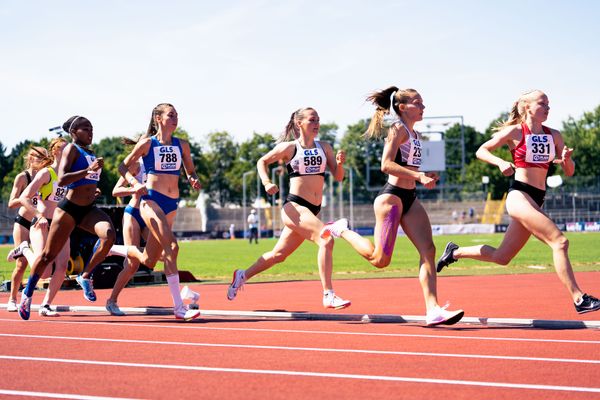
(334, 229)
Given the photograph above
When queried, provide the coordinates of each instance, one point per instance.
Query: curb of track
(364, 318)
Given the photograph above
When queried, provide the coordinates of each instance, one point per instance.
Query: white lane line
(58, 395)
(196, 326)
(310, 349)
(312, 374)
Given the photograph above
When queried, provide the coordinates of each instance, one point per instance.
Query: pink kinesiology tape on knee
(388, 234)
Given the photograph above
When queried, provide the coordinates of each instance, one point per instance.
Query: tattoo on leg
(388, 237)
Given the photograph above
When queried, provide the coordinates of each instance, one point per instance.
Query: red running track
(94, 354)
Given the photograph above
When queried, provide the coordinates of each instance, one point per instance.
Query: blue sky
(244, 66)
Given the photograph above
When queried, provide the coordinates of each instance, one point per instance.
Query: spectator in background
(454, 216)
(471, 214)
(253, 226)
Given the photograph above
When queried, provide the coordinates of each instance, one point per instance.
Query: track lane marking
(309, 349)
(312, 374)
(58, 395)
(193, 325)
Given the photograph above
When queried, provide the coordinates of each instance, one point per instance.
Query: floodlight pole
(244, 219)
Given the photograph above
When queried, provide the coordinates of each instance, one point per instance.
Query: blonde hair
(39, 153)
(385, 101)
(517, 112)
(54, 144)
(291, 129)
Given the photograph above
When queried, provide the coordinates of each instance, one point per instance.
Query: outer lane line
(314, 374)
(58, 395)
(308, 349)
(194, 325)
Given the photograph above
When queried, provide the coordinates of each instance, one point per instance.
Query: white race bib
(311, 162)
(58, 192)
(167, 158)
(92, 175)
(414, 158)
(540, 149)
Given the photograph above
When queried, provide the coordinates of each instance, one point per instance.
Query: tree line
(221, 161)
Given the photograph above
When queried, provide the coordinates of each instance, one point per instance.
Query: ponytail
(291, 129)
(40, 153)
(386, 101)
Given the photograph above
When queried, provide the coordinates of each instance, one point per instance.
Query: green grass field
(214, 260)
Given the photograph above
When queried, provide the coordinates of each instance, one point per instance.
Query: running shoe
(186, 314)
(587, 304)
(334, 229)
(331, 300)
(17, 251)
(447, 257)
(88, 288)
(24, 307)
(239, 278)
(11, 306)
(46, 311)
(113, 308)
(440, 316)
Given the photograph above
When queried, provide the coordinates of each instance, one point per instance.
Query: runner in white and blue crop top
(397, 204)
(163, 156)
(79, 169)
(308, 160)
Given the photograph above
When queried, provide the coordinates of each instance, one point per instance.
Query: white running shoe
(186, 314)
(334, 229)
(113, 308)
(17, 251)
(11, 306)
(439, 315)
(239, 278)
(46, 311)
(331, 300)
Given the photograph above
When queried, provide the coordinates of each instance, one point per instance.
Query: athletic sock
(31, 283)
(29, 255)
(173, 281)
(118, 250)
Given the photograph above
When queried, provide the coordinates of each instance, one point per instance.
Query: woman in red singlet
(533, 147)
